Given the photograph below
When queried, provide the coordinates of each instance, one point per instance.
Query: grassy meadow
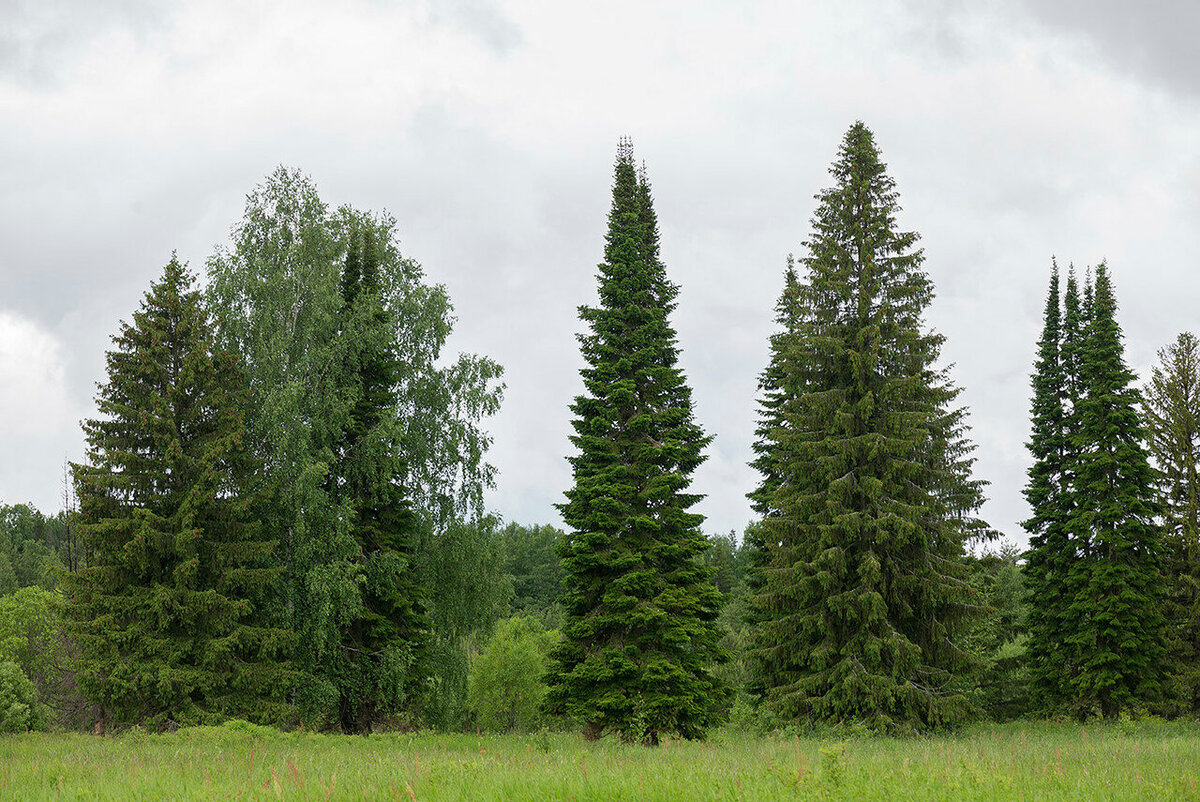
(1019, 761)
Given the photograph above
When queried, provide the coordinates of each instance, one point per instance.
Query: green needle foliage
(163, 610)
(866, 498)
(1116, 588)
(1051, 552)
(640, 609)
(1172, 417)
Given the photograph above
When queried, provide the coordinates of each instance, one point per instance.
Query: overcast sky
(1015, 130)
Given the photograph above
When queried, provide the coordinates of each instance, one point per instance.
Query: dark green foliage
(640, 610)
(384, 638)
(1115, 637)
(1172, 418)
(533, 566)
(1051, 551)
(996, 635)
(867, 499)
(31, 552)
(163, 611)
(776, 388)
(725, 558)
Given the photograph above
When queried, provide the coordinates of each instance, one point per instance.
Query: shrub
(18, 700)
(506, 685)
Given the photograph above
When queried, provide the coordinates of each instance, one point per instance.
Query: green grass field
(1022, 761)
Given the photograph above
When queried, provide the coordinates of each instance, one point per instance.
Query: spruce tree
(163, 611)
(774, 392)
(385, 636)
(1115, 594)
(868, 498)
(639, 629)
(1172, 417)
(1050, 554)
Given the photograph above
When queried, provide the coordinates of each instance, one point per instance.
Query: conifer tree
(1050, 553)
(868, 498)
(384, 638)
(1172, 418)
(163, 611)
(639, 608)
(1115, 598)
(774, 392)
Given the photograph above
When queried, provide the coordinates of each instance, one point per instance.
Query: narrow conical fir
(164, 610)
(775, 388)
(867, 498)
(1172, 418)
(1050, 554)
(1116, 584)
(639, 631)
(384, 636)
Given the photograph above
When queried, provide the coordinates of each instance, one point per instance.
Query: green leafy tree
(461, 565)
(506, 683)
(18, 700)
(1115, 581)
(867, 499)
(164, 610)
(532, 563)
(1171, 413)
(32, 636)
(640, 609)
(27, 540)
(368, 436)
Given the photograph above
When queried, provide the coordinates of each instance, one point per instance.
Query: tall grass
(1022, 761)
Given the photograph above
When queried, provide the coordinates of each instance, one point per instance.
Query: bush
(18, 700)
(506, 685)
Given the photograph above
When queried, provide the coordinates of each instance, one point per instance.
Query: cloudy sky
(1015, 130)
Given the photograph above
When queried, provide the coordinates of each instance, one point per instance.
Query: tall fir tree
(867, 497)
(1172, 417)
(1050, 555)
(1115, 585)
(775, 389)
(383, 641)
(163, 611)
(639, 631)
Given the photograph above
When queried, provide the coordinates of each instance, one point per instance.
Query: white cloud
(38, 424)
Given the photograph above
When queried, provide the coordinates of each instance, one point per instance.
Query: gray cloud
(1151, 41)
(491, 138)
(1154, 40)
